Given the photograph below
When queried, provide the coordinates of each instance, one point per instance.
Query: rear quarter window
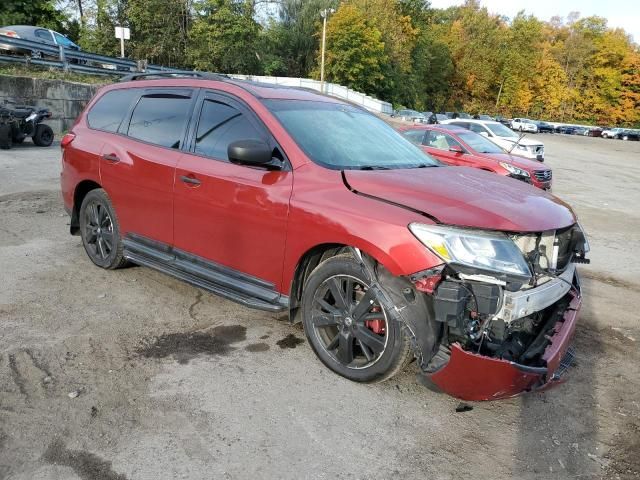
(110, 109)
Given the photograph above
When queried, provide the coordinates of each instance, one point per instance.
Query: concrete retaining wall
(65, 99)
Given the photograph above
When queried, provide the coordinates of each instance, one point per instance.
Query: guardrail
(15, 50)
(333, 89)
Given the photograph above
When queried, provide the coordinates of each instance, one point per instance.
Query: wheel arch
(81, 191)
(306, 264)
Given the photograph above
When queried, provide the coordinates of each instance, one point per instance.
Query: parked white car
(504, 137)
(524, 125)
(612, 133)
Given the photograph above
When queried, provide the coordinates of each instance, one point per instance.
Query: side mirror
(484, 134)
(456, 149)
(249, 152)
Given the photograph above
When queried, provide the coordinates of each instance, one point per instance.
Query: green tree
(355, 52)
(159, 30)
(224, 37)
(41, 13)
(290, 42)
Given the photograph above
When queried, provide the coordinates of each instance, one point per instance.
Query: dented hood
(465, 197)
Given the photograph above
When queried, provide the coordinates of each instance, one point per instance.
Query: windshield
(341, 136)
(479, 143)
(500, 130)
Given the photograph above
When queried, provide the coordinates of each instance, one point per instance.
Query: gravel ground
(134, 375)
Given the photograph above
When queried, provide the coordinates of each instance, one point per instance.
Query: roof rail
(175, 74)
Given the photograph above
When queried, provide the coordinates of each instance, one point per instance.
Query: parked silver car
(33, 34)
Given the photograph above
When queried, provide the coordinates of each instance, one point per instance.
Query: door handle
(190, 180)
(111, 157)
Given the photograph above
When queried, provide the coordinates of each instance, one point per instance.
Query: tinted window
(160, 119)
(415, 136)
(220, 125)
(44, 35)
(441, 141)
(109, 111)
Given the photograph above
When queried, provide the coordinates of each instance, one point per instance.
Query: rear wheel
(100, 231)
(43, 136)
(347, 327)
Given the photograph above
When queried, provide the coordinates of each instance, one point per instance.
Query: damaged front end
(507, 305)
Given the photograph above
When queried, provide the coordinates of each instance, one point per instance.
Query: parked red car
(459, 146)
(290, 201)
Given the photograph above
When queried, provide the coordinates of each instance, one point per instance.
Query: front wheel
(347, 327)
(43, 136)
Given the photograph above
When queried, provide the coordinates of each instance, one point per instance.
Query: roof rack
(170, 74)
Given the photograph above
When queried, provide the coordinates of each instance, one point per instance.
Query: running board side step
(236, 286)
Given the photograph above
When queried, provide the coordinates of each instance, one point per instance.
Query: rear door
(232, 215)
(137, 164)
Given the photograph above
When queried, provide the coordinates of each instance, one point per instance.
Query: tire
(100, 231)
(625, 138)
(360, 349)
(43, 136)
(5, 137)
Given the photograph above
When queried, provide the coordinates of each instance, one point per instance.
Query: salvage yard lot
(171, 382)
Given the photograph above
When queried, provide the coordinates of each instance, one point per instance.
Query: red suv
(290, 201)
(455, 145)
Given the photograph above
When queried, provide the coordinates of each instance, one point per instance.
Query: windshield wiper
(424, 165)
(373, 167)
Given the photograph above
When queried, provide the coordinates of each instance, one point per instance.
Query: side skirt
(228, 283)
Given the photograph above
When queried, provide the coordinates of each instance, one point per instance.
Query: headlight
(514, 170)
(492, 251)
(586, 246)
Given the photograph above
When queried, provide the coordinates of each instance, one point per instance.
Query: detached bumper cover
(470, 376)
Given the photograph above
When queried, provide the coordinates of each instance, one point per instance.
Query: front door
(439, 145)
(232, 215)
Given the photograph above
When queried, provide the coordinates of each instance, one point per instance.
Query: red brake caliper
(376, 326)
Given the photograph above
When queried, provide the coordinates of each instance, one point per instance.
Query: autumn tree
(355, 52)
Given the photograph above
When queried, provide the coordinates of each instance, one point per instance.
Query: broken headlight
(488, 251)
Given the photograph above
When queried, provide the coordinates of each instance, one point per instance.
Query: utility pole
(324, 14)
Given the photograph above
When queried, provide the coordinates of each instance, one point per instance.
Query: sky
(619, 13)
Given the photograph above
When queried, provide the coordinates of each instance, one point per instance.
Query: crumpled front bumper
(470, 376)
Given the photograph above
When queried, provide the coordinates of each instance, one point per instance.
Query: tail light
(9, 33)
(67, 139)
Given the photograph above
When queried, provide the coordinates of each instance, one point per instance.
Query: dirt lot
(134, 375)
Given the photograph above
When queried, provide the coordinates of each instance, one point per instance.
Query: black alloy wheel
(99, 230)
(349, 322)
(346, 326)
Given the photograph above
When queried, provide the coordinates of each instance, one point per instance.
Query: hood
(465, 197)
(520, 162)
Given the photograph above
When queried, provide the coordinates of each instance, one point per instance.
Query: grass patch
(53, 74)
